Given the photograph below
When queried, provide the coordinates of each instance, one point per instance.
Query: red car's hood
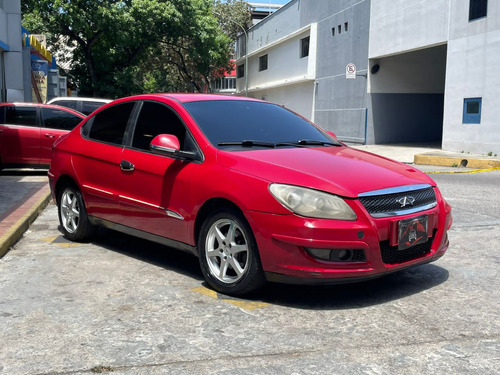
(339, 170)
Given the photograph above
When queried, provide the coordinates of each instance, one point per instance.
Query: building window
(262, 63)
(477, 9)
(339, 27)
(240, 71)
(333, 31)
(304, 47)
(346, 26)
(472, 111)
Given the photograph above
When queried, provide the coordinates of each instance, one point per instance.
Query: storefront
(41, 63)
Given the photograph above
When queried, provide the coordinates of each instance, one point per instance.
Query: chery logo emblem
(407, 200)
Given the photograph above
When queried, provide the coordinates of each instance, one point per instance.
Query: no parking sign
(350, 71)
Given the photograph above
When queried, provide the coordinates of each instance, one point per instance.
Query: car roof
(191, 97)
(43, 105)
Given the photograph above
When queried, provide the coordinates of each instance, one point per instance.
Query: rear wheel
(228, 254)
(72, 215)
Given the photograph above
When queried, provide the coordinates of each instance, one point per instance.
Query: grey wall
(341, 104)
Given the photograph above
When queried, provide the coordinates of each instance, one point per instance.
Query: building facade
(424, 70)
(11, 52)
(28, 72)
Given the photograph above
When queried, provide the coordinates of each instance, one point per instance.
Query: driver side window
(155, 119)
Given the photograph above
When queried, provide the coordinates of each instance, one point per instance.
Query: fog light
(338, 255)
(323, 254)
(344, 255)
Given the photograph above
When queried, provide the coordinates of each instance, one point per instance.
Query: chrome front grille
(399, 201)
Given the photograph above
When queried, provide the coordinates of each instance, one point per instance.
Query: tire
(73, 217)
(228, 254)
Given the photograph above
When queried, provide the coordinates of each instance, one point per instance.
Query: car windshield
(237, 124)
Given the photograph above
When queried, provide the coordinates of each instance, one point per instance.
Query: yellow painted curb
(462, 171)
(455, 161)
(13, 234)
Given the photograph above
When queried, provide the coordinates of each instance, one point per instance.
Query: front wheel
(73, 216)
(228, 254)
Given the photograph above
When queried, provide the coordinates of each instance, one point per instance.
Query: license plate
(412, 232)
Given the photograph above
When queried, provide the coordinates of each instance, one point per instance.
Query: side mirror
(168, 144)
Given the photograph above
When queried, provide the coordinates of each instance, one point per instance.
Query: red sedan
(28, 131)
(254, 190)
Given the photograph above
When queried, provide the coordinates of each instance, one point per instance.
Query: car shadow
(377, 291)
(151, 252)
(23, 172)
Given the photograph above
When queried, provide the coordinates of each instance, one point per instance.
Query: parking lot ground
(127, 306)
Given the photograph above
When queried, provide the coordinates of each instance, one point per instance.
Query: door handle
(49, 135)
(126, 166)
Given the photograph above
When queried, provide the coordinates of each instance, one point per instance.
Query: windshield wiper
(248, 143)
(301, 143)
(309, 142)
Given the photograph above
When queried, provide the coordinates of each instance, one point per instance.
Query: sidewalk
(431, 159)
(24, 194)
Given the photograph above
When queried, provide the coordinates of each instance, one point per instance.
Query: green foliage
(233, 16)
(125, 47)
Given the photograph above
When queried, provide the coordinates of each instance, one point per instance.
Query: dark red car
(28, 131)
(254, 190)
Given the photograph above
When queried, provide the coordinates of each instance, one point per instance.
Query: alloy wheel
(227, 251)
(70, 211)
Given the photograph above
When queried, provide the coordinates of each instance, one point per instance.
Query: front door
(155, 190)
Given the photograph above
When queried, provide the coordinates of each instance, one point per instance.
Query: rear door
(20, 135)
(97, 163)
(55, 122)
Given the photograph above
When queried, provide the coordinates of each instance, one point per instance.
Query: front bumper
(283, 241)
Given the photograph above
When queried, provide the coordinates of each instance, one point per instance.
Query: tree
(233, 16)
(124, 47)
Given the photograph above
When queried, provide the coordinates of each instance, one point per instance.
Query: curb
(456, 160)
(462, 171)
(36, 205)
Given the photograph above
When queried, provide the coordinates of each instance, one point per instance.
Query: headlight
(312, 203)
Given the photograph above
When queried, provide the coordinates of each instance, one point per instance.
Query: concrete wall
(404, 25)
(10, 35)
(314, 86)
(341, 104)
(298, 96)
(473, 71)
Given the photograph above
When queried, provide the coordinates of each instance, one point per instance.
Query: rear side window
(59, 119)
(15, 115)
(110, 125)
(66, 103)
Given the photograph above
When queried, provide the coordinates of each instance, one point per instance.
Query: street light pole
(246, 51)
(246, 61)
